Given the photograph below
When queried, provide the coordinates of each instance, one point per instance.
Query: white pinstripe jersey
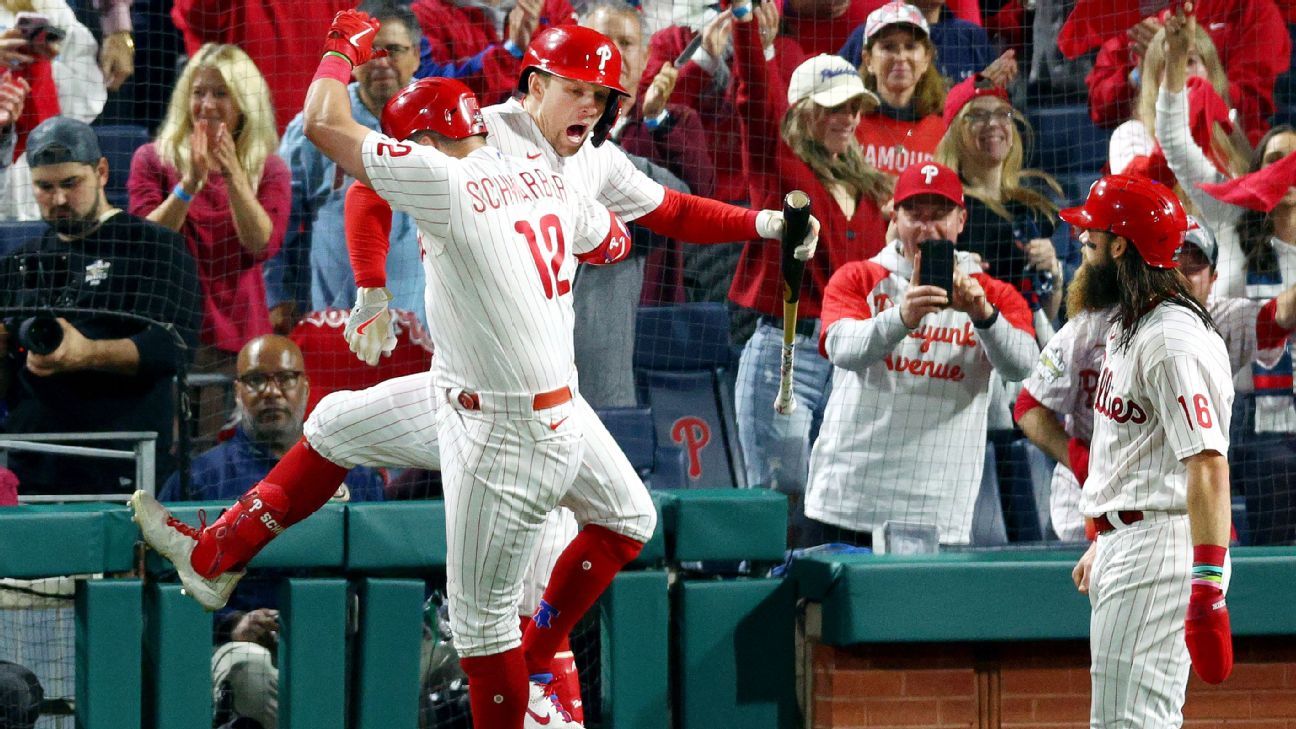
(602, 173)
(1165, 396)
(1066, 376)
(499, 238)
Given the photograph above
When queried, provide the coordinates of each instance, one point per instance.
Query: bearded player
(1066, 377)
(1158, 485)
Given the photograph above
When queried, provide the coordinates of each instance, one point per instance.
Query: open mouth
(576, 133)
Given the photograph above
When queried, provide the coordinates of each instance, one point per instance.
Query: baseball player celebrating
(1158, 486)
(1066, 377)
(510, 427)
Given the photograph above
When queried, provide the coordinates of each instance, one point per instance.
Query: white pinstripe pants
(1139, 594)
(395, 424)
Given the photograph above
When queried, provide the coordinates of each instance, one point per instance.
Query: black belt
(804, 327)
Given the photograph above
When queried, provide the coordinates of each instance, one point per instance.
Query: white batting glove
(370, 332)
(769, 224)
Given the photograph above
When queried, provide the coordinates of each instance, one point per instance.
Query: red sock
(566, 679)
(497, 689)
(584, 570)
(295, 488)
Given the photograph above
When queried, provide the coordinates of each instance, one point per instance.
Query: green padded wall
(312, 653)
(91, 538)
(109, 628)
(735, 642)
(385, 685)
(177, 659)
(635, 618)
(729, 524)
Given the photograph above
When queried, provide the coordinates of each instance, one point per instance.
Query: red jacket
(1253, 45)
(774, 171)
(456, 34)
(284, 39)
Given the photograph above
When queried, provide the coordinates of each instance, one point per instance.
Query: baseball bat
(686, 54)
(796, 223)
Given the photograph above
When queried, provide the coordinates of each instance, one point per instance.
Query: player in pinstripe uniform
(1066, 377)
(1158, 486)
(571, 80)
(511, 427)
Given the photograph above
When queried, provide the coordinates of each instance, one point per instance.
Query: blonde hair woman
(1009, 224)
(212, 175)
(797, 136)
(1137, 136)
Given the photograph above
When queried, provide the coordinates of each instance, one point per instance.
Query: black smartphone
(937, 265)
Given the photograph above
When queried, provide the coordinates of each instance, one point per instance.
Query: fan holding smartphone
(914, 335)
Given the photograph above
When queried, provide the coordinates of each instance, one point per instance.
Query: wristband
(334, 65)
(988, 321)
(1208, 565)
(653, 123)
(513, 49)
(179, 192)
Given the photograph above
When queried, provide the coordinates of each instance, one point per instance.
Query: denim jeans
(776, 448)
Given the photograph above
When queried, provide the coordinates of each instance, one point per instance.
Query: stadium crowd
(215, 252)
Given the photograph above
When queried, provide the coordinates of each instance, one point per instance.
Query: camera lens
(40, 334)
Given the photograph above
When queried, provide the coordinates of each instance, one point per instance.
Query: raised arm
(328, 121)
(761, 114)
(854, 336)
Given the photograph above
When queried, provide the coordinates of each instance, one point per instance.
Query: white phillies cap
(891, 14)
(828, 80)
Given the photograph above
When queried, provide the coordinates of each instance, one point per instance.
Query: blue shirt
(227, 471)
(962, 48)
(318, 203)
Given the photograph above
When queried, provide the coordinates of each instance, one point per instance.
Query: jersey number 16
(548, 249)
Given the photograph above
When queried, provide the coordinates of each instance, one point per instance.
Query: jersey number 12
(548, 249)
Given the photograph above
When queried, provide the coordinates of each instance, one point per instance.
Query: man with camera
(913, 335)
(100, 314)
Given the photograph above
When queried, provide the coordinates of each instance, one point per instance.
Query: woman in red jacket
(801, 136)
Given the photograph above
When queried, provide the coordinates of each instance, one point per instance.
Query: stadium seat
(14, 234)
(661, 466)
(118, 144)
(1066, 141)
(684, 367)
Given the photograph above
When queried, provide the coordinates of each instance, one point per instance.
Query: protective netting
(904, 421)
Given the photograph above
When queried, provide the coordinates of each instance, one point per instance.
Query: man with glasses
(313, 270)
(270, 390)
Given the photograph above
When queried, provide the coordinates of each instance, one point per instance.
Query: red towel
(1261, 190)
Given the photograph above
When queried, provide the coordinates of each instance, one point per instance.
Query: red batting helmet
(441, 105)
(1142, 211)
(578, 54)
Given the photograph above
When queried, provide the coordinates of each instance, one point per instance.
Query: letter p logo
(929, 173)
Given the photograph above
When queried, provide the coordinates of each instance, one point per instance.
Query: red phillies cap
(929, 178)
(966, 90)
